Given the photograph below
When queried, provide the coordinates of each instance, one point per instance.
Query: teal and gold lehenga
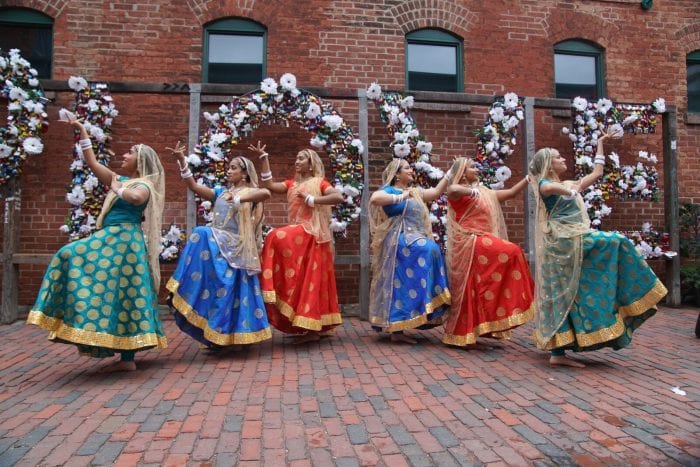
(593, 288)
(98, 292)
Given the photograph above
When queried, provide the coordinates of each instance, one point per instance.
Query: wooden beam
(670, 142)
(10, 246)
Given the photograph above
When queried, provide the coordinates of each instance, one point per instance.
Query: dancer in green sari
(593, 289)
(101, 292)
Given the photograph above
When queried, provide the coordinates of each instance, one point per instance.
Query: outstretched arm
(431, 194)
(504, 195)
(266, 174)
(186, 174)
(598, 166)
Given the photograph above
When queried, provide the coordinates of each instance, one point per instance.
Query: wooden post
(670, 141)
(193, 137)
(10, 244)
(364, 215)
(529, 207)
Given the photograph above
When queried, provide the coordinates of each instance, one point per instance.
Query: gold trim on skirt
(218, 338)
(437, 301)
(499, 329)
(59, 330)
(328, 319)
(641, 306)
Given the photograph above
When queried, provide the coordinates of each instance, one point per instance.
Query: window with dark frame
(234, 52)
(433, 61)
(693, 64)
(32, 33)
(578, 70)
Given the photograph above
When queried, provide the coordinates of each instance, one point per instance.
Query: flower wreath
(94, 105)
(494, 143)
(282, 103)
(26, 117)
(638, 181)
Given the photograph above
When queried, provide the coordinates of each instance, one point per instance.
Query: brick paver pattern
(354, 399)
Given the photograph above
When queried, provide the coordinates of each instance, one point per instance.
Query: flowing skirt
(298, 282)
(215, 304)
(498, 293)
(97, 293)
(617, 292)
(420, 294)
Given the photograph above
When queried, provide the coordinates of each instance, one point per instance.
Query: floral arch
(282, 103)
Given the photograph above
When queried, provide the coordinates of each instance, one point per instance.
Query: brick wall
(348, 44)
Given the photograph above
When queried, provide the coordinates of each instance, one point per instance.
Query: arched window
(234, 52)
(32, 33)
(693, 63)
(578, 70)
(433, 61)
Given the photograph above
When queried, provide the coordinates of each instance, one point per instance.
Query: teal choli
(617, 290)
(98, 292)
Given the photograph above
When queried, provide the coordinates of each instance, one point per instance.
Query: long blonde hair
(317, 169)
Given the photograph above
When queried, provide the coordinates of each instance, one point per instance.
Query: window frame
(693, 58)
(438, 37)
(233, 27)
(583, 48)
(19, 16)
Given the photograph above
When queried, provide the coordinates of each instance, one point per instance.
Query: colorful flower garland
(26, 117)
(282, 103)
(638, 181)
(494, 142)
(94, 105)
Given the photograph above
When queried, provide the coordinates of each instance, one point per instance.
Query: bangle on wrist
(574, 193)
(120, 192)
(186, 174)
(309, 200)
(85, 143)
(182, 169)
(263, 155)
(236, 200)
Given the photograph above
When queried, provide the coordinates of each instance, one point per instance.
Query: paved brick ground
(355, 399)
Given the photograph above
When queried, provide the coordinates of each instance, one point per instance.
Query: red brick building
(617, 48)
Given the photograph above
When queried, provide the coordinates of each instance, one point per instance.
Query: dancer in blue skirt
(216, 291)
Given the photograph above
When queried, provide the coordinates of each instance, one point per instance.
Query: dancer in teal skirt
(101, 292)
(593, 289)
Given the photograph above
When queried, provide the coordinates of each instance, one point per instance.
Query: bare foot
(400, 337)
(565, 361)
(119, 366)
(308, 337)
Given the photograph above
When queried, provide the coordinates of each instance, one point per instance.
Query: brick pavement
(354, 399)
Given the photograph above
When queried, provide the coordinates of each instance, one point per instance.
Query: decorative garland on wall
(94, 105)
(638, 181)
(494, 143)
(26, 116)
(282, 104)
(172, 241)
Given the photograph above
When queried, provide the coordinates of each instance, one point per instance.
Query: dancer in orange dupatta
(492, 290)
(298, 276)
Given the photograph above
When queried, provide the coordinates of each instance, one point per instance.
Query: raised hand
(259, 149)
(179, 152)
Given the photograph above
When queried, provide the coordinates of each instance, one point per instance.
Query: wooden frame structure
(11, 256)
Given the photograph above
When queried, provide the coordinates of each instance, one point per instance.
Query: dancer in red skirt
(492, 290)
(298, 276)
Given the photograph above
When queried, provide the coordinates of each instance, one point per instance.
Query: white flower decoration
(333, 122)
(402, 150)
(288, 82)
(407, 102)
(33, 145)
(580, 104)
(659, 105)
(604, 106)
(313, 111)
(510, 100)
(374, 91)
(5, 150)
(503, 173)
(269, 86)
(77, 83)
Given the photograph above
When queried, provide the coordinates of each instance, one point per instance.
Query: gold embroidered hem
(304, 322)
(210, 334)
(418, 321)
(583, 340)
(498, 329)
(58, 330)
